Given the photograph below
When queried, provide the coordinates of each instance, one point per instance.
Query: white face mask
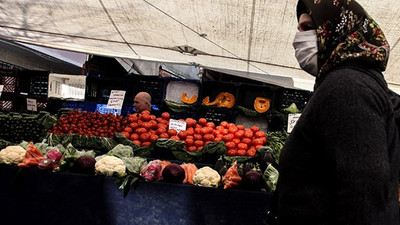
(306, 49)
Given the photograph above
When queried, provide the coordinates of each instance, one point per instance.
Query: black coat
(340, 164)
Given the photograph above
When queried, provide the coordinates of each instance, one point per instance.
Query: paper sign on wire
(31, 104)
(1, 89)
(65, 86)
(116, 99)
(177, 125)
(292, 120)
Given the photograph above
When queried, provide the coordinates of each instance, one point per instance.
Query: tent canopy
(250, 37)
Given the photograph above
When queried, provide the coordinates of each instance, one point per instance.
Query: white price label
(292, 120)
(177, 125)
(1, 89)
(116, 99)
(31, 104)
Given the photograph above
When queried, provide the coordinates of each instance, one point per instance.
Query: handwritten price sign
(292, 120)
(116, 99)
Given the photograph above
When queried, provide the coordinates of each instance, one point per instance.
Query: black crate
(33, 83)
(285, 97)
(213, 88)
(154, 85)
(8, 78)
(247, 93)
(99, 88)
(216, 114)
(7, 102)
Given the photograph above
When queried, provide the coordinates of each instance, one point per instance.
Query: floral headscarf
(345, 32)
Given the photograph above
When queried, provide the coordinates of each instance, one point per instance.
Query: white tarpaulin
(246, 36)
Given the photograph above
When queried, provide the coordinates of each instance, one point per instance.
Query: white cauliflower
(12, 155)
(108, 165)
(207, 177)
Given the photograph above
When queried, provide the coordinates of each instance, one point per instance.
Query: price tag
(292, 120)
(116, 99)
(1, 89)
(177, 125)
(31, 104)
(65, 86)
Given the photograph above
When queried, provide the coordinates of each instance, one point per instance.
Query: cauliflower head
(12, 155)
(207, 177)
(108, 165)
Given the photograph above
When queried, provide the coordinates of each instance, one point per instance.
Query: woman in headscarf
(340, 164)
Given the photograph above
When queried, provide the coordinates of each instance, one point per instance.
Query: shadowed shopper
(340, 164)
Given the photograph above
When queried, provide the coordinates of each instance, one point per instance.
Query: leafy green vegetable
(276, 141)
(121, 151)
(270, 177)
(292, 108)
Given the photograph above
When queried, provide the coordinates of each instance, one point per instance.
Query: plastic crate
(285, 97)
(33, 83)
(174, 88)
(247, 93)
(7, 102)
(8, 79)
(217, 114)
(154, 85)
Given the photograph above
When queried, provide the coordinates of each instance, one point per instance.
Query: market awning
(247, 36)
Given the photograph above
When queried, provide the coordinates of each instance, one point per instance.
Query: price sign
(1, 89)
(177, 125)
(292, 120)
(116, 99)
(31, 104)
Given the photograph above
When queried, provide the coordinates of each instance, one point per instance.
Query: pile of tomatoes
(89, 124)
(144, 128)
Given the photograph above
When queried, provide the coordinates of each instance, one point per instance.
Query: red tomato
(257, 147)
(192, 148)
(251, 152)
(248, 134)
(257, 141)
(232, 129)
(254, 128)
(224, 131)
(190, 131)
(146, 112)
(160, 130)
(182, 134)
(144, 137)
(202, 121)
(174, 137)
(217, 139)
(145, 117)
(137, 142)
(198, 137)
(236, 140)
(259, 134)
(224, 124)
(241, 152)
(153, 124)
(227, 137)
(264, 139)
(210, 124)
(243, 146)
(163, 135)
(128, 129)
(140, 130)
(133, 125)
(198, 143)
(239, 134)
(208, 137)
(240, 127)
(166, 116)
(146, 125)
(172, 132)
(230, 145)
(190, 122)
(189, 142)
(232, 152)
(134, 136)
(219, 127)
(203, 131)
(146, 143)
(197, 130)
(153, 137)
(126, 134)
(246, 141)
